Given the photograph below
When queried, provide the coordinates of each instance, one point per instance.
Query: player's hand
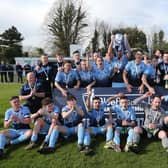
(141, 89)
(64, 93)
(147, 94)
(129, 88)
(152, 90)
(60, 68)
(120, 94)
(124, 123)
(76, 87)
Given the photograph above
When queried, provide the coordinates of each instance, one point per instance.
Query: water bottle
(166, 84)
(92, 95)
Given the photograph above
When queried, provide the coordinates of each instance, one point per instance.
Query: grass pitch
(67, 155)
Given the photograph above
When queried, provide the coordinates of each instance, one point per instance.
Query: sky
(29, 16)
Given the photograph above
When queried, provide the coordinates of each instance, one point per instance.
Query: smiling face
(96, 103)
(31, 78)
(44, 59)
(156, 103)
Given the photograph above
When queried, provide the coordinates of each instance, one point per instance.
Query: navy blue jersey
(67, 79)
(34, 102)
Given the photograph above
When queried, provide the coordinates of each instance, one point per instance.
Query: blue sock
(19, 139)
(2, 141)
(34, 138)
(130, 135)
(81, 132)
(117, 138)
(53, 138)
(47, 138)
(109, 134)
(86, 139)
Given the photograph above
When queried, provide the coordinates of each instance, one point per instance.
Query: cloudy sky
(28, 16)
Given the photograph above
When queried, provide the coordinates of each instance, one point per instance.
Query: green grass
(67, 156)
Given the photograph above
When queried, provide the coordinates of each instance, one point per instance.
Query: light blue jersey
(22, 114)
(150, 73)
(97, 116)
(128, 115)
(102, 77)
(135, 72)
(86, 77)
(47, 119)
(67, 79)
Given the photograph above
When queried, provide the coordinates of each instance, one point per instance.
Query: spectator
(27, 69)
(10, 69)
(3, 72)
(19, 72)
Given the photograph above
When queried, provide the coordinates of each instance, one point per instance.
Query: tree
(10, 44)
(66, 23)
(95, 41)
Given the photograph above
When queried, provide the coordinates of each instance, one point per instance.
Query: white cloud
(28, 16)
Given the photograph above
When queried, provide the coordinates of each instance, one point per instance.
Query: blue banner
(105, 93)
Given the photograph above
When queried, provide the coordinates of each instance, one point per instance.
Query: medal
(66, 86)
(33, 97)
(47, 79)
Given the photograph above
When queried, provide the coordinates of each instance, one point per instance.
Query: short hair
(165, 52)
(70, 97)
(13, 97)
(157, 96)
(46, 101)
(67, 62)
(96, 98)
(76, 52)
(123, 97)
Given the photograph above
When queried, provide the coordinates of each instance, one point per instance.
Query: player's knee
(80, 125)
(166, 120)
(161, 134)
(137, 129)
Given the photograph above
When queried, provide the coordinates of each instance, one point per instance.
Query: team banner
(105, 93)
